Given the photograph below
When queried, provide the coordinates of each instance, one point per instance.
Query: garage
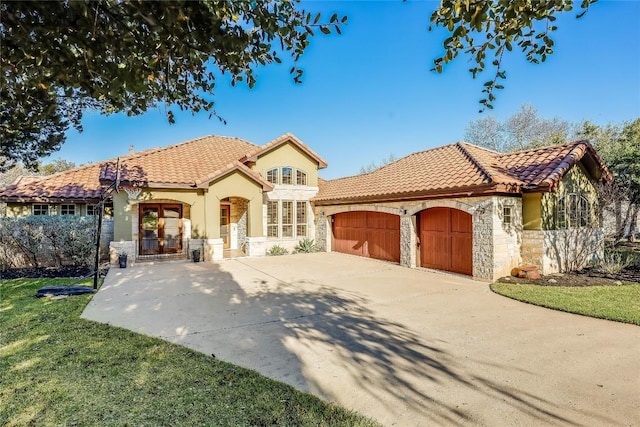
(446, 240)
(369, 234)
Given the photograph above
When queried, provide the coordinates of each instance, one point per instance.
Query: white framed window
(507, 215)
(272, 176)
(287, 176)
(301, 219)
(91, 210)
(41, 209)
(67, 209)
(272, 219)
(287, 218)
(301, 177)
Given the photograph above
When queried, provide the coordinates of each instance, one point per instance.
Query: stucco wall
(288, 155)
(235, 184)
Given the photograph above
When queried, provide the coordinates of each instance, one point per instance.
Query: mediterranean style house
(457, 208)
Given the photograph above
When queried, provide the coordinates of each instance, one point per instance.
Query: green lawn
(58, 369)
(621, 303)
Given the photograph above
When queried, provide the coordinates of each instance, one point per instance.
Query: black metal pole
(99, 232)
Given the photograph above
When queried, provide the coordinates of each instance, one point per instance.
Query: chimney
(131, 149)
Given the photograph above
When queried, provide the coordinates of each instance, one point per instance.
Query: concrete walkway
(407, 347)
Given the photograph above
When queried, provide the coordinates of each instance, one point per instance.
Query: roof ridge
(546, 147)
(480, 147)
(473, 160)
(169, 147)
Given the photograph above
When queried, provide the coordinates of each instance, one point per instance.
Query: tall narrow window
(506, 215)
(91, 210)
(287, 219)
(585, 212)
(287, 175)
(272, 175)
(572, 211)
(41, 209)
(301, 219)
(67, 209)
(561, 214)
(272, 219)
(301, 178)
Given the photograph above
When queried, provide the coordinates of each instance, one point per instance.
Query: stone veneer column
(322, 234)
(482, 219)
(256, 246)
(407, 241)
(213, 249)
(128, 247)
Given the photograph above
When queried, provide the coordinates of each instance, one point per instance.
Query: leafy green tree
(524, 129)
(57, 165)
(486, 30)
(61, 58)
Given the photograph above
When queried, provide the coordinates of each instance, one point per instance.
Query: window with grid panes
(91, 210)
(67, 209)
(287, 175)
(272, 175)
(41, 209)
(301, 178)
(287, 218)
(301, 219)
(272, 219)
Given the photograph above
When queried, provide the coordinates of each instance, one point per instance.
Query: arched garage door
(446, 240)
(370, 234)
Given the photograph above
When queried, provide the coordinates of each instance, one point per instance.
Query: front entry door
(224, 225)
(160, 229)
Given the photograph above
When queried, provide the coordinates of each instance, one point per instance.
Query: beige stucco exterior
(288, 155)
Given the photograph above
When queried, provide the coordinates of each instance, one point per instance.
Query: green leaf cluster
(61, 58)
(486, 29)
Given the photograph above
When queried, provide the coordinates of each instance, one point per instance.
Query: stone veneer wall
(238, 222)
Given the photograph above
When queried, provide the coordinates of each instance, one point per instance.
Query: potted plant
(122, 259)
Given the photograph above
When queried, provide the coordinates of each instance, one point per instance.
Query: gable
(288, 154)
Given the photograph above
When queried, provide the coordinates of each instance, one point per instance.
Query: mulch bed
(586, 277)
(48, 272)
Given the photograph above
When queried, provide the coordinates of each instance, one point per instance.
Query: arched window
(301, 177)
(573, 211)
(272, 176)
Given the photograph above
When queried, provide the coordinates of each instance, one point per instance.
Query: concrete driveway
(407, 347)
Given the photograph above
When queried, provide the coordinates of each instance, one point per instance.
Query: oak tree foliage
(486, 30)
(61, 58)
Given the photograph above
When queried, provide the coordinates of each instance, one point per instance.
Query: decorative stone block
(213, 249)
(256, 246)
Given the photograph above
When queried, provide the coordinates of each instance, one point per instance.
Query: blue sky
(369, 92)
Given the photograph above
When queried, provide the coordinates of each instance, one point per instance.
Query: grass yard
(620, 303)
(58, 369)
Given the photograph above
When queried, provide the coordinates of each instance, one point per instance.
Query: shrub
(46, 241)
(306, 246)
(276, 250)
(613, 262)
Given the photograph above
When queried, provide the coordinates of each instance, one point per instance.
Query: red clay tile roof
(80, 184)
(463, 169)
(190, 164)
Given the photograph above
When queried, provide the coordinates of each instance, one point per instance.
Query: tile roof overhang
(464, 170)
(253, 155)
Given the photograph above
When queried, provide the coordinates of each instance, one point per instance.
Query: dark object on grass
(52, 291)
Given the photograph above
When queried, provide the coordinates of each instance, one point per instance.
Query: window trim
(573, 210)
(507, 215)
(301, 173)
(40, 206)
(271, 225)
(294, 225)
(273, 179)
(67, 206)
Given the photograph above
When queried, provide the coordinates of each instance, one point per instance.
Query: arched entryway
(369, 234)
(446, 240)
(160, 228)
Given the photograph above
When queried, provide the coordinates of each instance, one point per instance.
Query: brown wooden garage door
(446, 240)
(370, 234)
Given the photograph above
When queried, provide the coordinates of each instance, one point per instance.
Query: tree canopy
(486, 30)
(524, 129)
(60, 58)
